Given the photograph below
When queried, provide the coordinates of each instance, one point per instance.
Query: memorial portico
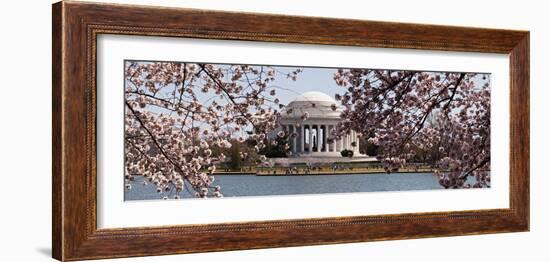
(313, 134)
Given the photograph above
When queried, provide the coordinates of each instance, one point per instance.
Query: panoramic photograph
(208, 130)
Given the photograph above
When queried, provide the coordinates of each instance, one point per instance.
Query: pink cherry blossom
(404, 112)
(173, 135)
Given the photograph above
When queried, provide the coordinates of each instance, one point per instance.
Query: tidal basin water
(252, 185)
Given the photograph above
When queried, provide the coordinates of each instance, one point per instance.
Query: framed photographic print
(193, 131)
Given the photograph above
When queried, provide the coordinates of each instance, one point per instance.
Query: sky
(314, 79)
(310, 79)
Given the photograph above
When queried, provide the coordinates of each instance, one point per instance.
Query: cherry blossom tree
(447, 113)
(177, 115)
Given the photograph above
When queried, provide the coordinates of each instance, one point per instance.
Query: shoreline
(326, 173)
(351, 172)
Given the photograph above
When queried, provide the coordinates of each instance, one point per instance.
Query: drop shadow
(46, 251)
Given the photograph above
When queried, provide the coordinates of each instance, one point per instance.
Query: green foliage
(346, 153)
(235, 153)
(236, 162)
(365, 147)
(371, 149)
(279, 149)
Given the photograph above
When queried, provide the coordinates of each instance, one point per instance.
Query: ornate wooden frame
(76, 26)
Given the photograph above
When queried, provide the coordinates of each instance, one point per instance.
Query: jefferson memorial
(313, 132)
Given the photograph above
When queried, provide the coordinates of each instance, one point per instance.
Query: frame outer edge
(71, 239)
(57, 122)
(520, 140)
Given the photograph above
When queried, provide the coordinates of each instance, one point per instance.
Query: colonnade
(313, 138)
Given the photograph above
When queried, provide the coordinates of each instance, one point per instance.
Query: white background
(25, 136)
(114, 212)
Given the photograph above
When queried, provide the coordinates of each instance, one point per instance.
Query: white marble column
(316, 138)
(319, 141)
(345, 142)
(301, 139)
(304, 139)
(356, 140)
(333, 145)
(325, 132)
(329, 145)
(341, 142)
(310, 148)
(293, 137)
(298, 138)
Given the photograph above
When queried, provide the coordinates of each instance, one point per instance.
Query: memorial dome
(314, 96)
(315, 103)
